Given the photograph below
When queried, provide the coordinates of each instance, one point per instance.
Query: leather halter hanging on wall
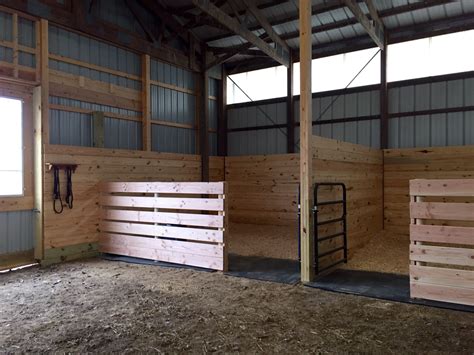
(69, 170)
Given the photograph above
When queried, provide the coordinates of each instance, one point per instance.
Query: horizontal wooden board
(211, 188)
(444, 211)
(197, 234)
(185, 253)
(442, 293)
(403, 165)
(442, 234)
(442, 255)
(199, 204)
(442, 187)
(442, 276)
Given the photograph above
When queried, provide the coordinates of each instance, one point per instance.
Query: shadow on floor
(391, 287)
(264, 269)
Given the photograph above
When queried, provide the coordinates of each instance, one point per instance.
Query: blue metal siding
(172, 75)
(172, 106)
(72, 45)
(16, 231)
(173, 139)
(6, 54)
(122, 134)
(6, 24)
(437, 130)
(26, 32)
(70, 128)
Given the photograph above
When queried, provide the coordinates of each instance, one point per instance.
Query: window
(446, 54)
(11, 147)
(329, 73)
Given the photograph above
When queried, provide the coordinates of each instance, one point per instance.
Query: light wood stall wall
(74, 233)
(442, 256)
(264, 189)
(196, 210)
(402, 165)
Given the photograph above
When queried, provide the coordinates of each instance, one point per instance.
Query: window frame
(25, 201)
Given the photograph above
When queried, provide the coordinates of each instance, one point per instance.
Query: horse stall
(263, 203)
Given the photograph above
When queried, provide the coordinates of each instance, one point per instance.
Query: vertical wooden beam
(222, 122)
(306, 183)
(41, 132)
(44, 72)
(204, 121)
(146, 103)
(383, 98)
(38, 174)
(98, 124)
(290, 108)
(15, 45)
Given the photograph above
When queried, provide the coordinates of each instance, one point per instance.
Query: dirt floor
(384, 253)
(104, 306)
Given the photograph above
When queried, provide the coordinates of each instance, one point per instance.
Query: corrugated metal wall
(26, 37)
(436, 129)
(173, 106)
(416, 116)
(82, 48)
(264, 141)
(75, 128)
(16, 231)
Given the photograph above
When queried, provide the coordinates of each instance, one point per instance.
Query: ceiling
(335, 28)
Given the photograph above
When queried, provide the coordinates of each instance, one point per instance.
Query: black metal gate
(321, 237)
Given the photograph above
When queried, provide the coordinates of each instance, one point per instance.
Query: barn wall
(435, 111)
(401, 165)
(264, 189)
(74, 233)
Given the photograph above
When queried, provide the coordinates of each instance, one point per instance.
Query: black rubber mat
(132, 260)
(264, 269)
(391, 287)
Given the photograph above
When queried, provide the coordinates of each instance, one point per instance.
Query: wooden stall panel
(442, 256)
(182, 223)
(76, 231)
(403, 165)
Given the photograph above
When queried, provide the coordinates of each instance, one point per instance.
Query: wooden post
(290, 108)
(98, 124)
(146, 103)
(41, 133)
(306, 184)
(15, 45)
(383, 98)
(44, 63)
(204, 121)
(222, 122)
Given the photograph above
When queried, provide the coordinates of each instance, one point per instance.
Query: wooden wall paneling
(402, 165)
(441, 257)
(76, 232)
(201, 247)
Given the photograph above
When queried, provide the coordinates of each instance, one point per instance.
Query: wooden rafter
(232, 24)
(262, 20)
(373, 28)
(132, 6)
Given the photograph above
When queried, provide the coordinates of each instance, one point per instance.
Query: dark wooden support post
(222, 121)
(98, 125)
(204, 120)
(290, 108)
(383, 98)
(306, 156)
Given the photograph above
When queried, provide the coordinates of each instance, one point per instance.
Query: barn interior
(323, 143)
